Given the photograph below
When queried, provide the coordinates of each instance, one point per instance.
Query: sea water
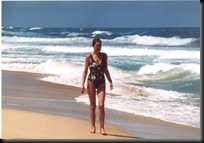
(155, 71)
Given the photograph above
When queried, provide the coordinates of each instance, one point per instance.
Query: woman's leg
(92, 98)
(101, 99)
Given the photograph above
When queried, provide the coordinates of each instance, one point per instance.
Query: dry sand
(19, 124)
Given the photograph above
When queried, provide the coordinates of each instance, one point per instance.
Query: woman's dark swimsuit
(97, 71)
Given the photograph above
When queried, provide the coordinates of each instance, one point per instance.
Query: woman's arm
(107, 73)
(85, 73)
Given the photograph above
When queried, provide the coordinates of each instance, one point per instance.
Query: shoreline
(38, 90)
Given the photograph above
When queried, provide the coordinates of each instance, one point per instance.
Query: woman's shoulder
(105, 55)
(88, 56)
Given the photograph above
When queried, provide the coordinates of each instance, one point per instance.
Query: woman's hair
(95, 40)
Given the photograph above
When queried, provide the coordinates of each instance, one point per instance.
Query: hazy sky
(98, 14)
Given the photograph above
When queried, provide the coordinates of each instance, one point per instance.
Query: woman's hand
(111, 86)
(82, 89)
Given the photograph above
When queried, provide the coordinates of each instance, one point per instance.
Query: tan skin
(92, 91)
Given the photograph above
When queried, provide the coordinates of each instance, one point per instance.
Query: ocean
(155, 71)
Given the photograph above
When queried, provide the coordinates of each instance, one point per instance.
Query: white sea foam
(45, 40)
(151, 40)
(181, 54)
(170, 108)
(111, 51)
(75, 34)
(35, 28)
(63, 72)
(65, 49)
(163, 67)
(194, 68)
(14, 60)
(153, 69)
(102, 32)
(59, 71)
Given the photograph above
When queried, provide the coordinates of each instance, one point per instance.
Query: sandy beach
(19, 124)
(35, 109)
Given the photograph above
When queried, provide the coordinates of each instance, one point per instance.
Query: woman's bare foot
(103, 132)
(93, 130)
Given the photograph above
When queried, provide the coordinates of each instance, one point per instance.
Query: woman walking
(98, 66)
